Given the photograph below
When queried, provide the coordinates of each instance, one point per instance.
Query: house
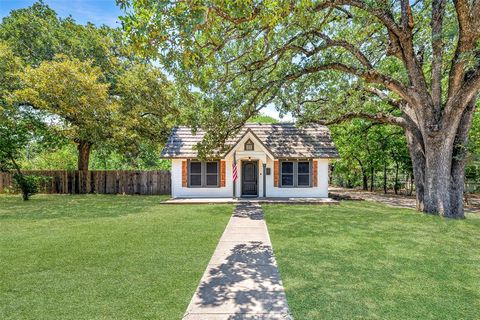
(263, 160)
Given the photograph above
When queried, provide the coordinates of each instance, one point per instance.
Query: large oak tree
(418, 61)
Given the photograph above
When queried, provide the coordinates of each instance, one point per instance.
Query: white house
(271, 160)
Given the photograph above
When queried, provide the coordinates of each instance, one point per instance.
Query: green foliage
(65, 158)
(36, 34)
(31, 33)
(263, 118)
(10, 66)
(148, 108)
(14, 135)
(28, 184)
(72, 90)
(14, 132)
(89, 86)
(17, 126)
(243, 69)
(474, 137)
(241, 56)
(366, 150)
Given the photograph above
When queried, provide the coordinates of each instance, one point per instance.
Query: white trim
(242, 141)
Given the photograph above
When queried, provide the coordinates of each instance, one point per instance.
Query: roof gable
(250, 135)
(283, 140)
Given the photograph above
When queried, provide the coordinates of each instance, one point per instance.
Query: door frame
(243, 176)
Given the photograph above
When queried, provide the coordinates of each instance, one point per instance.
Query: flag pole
(234, 181)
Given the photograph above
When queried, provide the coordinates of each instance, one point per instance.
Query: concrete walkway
(241, 281)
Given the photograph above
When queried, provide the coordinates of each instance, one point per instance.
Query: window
(195, 174)
(211, 174)
(303, 173)
(203, 174)
(295, 174)
(287, 174)
(249, 145)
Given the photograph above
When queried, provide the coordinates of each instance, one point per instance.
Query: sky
(96, 11)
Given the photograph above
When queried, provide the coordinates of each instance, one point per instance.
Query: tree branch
(384, 16)
(438, 11)
(347, 46)
(465, 43)
(371, 76)
(379, 118)
(401, 42)
(399, 104)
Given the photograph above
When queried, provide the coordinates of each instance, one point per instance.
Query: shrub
(28, 184)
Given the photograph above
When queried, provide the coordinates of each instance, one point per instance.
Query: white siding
(321, 191)
(181, 192)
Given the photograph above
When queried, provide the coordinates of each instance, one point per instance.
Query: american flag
(235, 174)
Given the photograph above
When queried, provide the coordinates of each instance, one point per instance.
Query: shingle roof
(283, 140)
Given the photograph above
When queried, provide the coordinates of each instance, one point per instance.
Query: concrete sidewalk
(241, 281)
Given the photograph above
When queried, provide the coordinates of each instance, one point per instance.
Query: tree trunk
(439, 167)
(84, 148)
(412, 184)
(385, 177)
(365, 181)
(415, 148)
(364, 174)
(459, 161)
(372, 178)
(25, 194)
(395, 186)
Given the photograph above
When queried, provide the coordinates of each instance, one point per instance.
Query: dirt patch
(403, 201)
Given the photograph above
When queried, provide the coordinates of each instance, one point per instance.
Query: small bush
(28, 184)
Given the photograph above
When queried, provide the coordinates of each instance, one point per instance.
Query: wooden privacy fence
(108, 182)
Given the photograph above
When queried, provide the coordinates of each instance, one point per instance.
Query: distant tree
(16, 130)
(147, 108)
(73, 91)
(36, 34)
(17, 127)
(371, 150)
(140, 100)
(350, 140)
(263, 118)
(474, 140)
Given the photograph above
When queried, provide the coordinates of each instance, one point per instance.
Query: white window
(249, 145)
(295, 174)
(303, 173)
(203, 174)
(287, 174)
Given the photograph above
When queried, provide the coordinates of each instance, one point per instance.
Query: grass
(363, 260)
(103, 257)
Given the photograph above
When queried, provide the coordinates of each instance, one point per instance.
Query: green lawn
(103, 257)
(368, 261)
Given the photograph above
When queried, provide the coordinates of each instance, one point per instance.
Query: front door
(249, 178)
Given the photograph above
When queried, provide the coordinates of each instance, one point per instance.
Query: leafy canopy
(315, 59)
(73, 91)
